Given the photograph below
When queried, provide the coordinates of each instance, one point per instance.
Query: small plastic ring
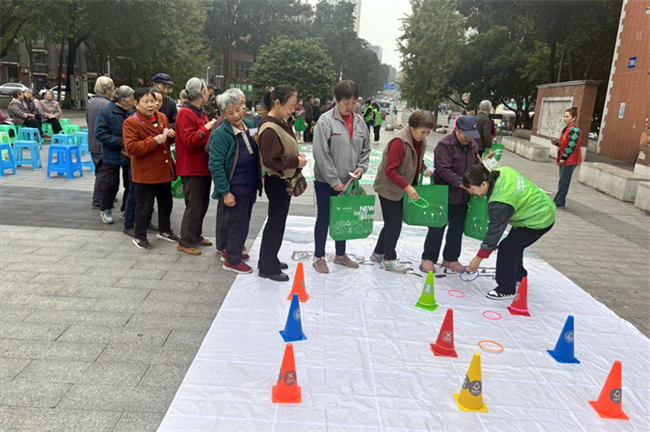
(490, 318)
(415, 203)
(496, 351)
(464, 271)
(454, 292)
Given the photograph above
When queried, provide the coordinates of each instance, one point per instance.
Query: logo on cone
(568, 336)
(296, 315)
(517, 297)
(448, 337)
(290, 377)
(616, 396)
(428, 289)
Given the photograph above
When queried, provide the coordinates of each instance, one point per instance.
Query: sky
(380, 25)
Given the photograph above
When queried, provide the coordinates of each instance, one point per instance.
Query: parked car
(6, 89)
(55, 92)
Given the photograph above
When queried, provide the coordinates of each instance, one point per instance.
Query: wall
(620, 135)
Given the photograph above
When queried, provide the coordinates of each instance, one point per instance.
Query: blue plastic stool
(64, 139)
(82, 142)
(7, 164)
(64, 162)
(30, 134)
(34, 151)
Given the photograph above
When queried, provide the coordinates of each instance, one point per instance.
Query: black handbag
(296, 185)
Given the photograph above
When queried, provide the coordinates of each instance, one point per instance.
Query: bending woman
(514, 200)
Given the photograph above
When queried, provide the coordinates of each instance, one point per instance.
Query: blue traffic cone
(563, 352)
(293, 329)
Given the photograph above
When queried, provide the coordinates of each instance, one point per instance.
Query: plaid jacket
(451, 162)
(108, 131)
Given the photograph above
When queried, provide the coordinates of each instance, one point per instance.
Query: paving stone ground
(96, 335)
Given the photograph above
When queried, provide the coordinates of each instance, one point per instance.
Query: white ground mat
(367, 364)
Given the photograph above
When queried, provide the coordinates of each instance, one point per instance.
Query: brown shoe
(191, 251)
(346, 261)
(427, 266)
(205, 242)
(321, 266)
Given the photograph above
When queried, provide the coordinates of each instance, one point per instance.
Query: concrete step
(617, 182)
(526, 149)
(642, 200)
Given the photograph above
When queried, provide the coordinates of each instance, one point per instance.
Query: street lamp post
(207, 76)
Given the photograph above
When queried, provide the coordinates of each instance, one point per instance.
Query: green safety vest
(378, 119)
(533, 208)
(367, 114)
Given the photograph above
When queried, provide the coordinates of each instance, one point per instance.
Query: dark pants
(110, 185)
(222, 227)
(377, 129)
(144, 197)
(238, 220)
(323, 194)
(308, 136)
(129, 204)
(454, 239)
(392, 212)
(197, 199)
(279, 202)
(566, 172)
(56, 125)
(369, 125)
(32, 123)
(100, 175)
(510, 257)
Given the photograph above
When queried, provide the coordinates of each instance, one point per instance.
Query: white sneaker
(107, 216)
(375, 257)
(393, 266)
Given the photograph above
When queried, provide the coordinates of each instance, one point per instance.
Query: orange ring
(496, 351)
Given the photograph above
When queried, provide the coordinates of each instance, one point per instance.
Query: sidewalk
(97, 335)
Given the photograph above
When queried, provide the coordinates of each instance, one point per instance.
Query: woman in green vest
(514, 200)
(378, 121)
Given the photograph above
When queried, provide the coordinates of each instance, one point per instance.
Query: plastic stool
(82, 142)
(30, 134)
(7, 128)
(7, 164)
(4, 138)
(70, 129)
(46, 127)
(63, 139)
(34, 151)
(64, 162)
(64, 122)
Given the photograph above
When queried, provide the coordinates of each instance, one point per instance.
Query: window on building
(242, 69)
(218, 67)
(40, 58)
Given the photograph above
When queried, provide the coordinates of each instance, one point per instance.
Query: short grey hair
(226, 99)
(485, 105)
(237, 92)
(104, 83)
(122, 92)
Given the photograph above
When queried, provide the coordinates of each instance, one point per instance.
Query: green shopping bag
(351, 216)
(476, 218)
(498, 151)
(300, 125)
(431, 209)
(177, 184)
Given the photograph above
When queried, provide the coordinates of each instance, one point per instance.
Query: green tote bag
(431, 210)
(177, 184)
(498, 151)
(351, 215)
(476, 218)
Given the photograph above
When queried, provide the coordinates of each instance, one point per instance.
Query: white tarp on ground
(367, 365)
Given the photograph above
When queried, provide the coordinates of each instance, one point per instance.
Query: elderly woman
(19, 113)
(192, 134)
(484, 127)
(341, 148)
(50, 111)
(280, 159)
(32, 104)
(104, 89)
(108, 131)
(236, 173)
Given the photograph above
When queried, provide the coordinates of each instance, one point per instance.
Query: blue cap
(467, 124)
(162, 78)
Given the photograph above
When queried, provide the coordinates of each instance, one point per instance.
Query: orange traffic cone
(444, 346)
(287, 389)
(299, 285)
(519, 305)
(610, 402)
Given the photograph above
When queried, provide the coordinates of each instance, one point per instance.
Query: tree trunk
(72, 53)
(30, 60)
(226, 68)
(551, 63)
(58, 79)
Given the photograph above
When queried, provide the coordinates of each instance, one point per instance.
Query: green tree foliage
(430, 46)
(303, 64)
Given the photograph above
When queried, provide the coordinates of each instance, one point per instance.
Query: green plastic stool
(70, 129)
(7, 128)
(4, 138)
(64, 122)
(47, 128)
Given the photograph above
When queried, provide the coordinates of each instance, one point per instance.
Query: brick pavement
(96, 335)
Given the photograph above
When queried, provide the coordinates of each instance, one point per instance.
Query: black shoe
(496, 295)
(152, 227)
(129, 232)
(284, 266)
(141, 244)
(280, 277)
(169, 236)
(96, 206)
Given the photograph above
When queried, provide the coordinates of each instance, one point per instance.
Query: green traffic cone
(427, 300)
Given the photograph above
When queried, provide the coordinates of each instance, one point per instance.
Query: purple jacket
(451, 162)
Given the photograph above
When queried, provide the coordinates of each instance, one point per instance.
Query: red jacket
(191, 138)
(150, 163)
(569, 148)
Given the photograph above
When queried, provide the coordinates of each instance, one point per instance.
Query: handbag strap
(353, 182)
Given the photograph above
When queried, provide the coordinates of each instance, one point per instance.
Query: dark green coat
(224, 152)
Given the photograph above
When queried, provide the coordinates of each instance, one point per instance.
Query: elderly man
(108, 131)
(484, 127)
(358, 108)
(164, 83)
(104, 88)
(32, 105)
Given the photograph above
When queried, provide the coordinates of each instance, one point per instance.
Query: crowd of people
(133, 135)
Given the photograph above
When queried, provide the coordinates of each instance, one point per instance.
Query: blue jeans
(129, 207)
(323, 194)
(563, 185)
